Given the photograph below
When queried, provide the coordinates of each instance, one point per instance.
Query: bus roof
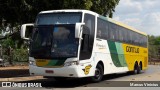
(93, 13)
(69, 10)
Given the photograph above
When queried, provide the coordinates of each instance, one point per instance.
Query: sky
(143, 15)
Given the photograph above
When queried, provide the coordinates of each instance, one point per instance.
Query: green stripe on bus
(102, 17)
(60, 62)
(114, 54)
(120, 54)
(56, 62)
(52, 62)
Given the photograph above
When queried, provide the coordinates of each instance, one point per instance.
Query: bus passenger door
(84, 51)
(88, 37)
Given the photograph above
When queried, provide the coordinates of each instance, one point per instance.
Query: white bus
(82, 43)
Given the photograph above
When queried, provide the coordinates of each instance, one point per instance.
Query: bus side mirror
(78, 28)
(25, 32)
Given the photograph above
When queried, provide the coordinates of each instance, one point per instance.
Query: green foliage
(157, 41)
(154, 46)
(25, 11)
(13, 47)
(7, 42)
(20, 55)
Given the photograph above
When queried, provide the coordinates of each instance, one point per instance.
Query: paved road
(113, 80)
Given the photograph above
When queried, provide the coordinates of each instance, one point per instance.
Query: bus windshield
(59, 18)
(54, 41)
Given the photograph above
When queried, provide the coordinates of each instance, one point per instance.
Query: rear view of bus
(65, 43)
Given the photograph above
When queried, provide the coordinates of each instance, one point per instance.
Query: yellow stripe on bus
(135, 53)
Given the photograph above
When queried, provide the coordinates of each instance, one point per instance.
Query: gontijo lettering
(132, 49)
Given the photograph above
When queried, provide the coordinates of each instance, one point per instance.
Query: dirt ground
(14, 71)
(13, 67)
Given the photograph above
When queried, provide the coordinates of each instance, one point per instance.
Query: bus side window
(99, 34)
(88, 38)
(99, 28)
(120, 34)
(112, 31)
(102, 29)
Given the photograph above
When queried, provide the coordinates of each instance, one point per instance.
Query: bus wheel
(140, 68)
(98, 74)
(136, 69)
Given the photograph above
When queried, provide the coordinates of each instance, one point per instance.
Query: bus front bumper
(69, 71)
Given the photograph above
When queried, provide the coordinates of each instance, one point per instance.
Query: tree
(25, 11)
(154, 47)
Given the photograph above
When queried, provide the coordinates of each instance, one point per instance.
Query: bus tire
(136, 69)
(140, 68)
(98, 74)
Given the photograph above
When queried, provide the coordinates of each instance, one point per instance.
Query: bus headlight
(32, 63)
(71, 63)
